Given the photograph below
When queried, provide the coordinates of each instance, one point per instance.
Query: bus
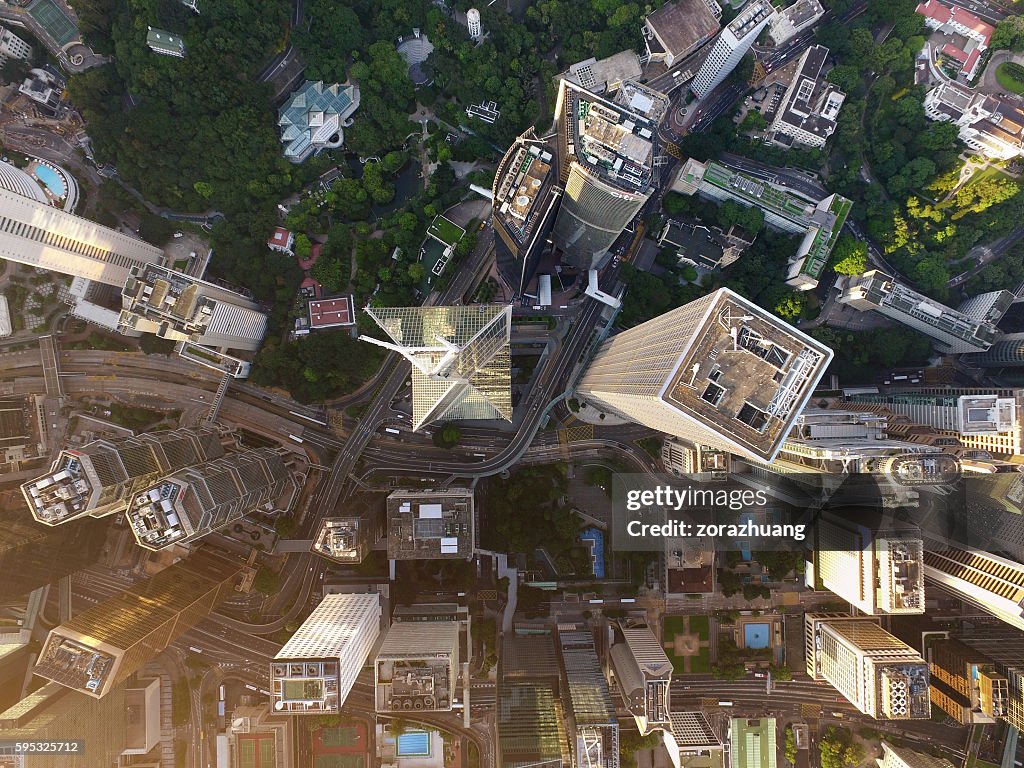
(221, 692)
(194, 649)
(392, 431)
(296, 438)
(725, 703)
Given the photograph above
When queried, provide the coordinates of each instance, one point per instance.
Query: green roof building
(753, 742)
(165, 43)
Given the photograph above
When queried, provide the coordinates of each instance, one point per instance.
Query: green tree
(753, 121)
(303, 246)
(850, 256)
(839, 749)
(446, 435)
(790, 748)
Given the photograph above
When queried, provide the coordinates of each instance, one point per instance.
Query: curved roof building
(20, 183)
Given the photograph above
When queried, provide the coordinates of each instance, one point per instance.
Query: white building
(315, 671)
(954, 331)
(476, 30)
(904, 757)
(417, 666)
(719, 371)
(879, 674)
(969, 35)
(990, 125)
(810, 108)
(13, 47)
(987, 581)
(878, 571)
(732, 44)
(794, 20)
(644, 675)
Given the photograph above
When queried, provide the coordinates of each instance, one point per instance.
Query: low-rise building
(810, 108)
(677, 29)
(752, 742)
(13, 47)
(313, 118)
(794, 20)
(331, 313)
(991, 125)
(281, 240)
(165, 43)
(605, 75)
(644, 674)
(701, 246)
(692, 742)
(426, 525)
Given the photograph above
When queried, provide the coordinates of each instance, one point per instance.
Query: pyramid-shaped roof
(461, 364)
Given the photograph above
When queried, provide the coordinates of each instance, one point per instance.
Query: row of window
(21, 229)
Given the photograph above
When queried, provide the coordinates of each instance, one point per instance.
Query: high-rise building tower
(13, 179)
(1006, 352)
(987, 581)
(973, 330)
(592, 724)
(99, 478)
(731, 45)
(476, 30)
(607, 153)
(719, 371)
(644, 675)
(417, 666)
(985, 419)
(525, 196)
(315, 670)
(96, 650)
(1005, 646)
(193, 502)
(904, 757)
(875, 571)
(34, 555)
(53, 713)
(35, 233)
(461, 366)
(965, 684)
(176, 306)
(879, 674)
(752, 742)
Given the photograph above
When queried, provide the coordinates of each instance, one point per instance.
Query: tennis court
(256, 750)
(339, 737)
(339, 761)
(54, 21)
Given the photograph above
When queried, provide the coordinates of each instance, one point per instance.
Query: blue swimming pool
(414, 744)
(51, 179)
(755, 636)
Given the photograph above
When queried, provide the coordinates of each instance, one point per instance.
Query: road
(986, 254)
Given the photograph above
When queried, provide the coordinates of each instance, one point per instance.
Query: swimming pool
(413, 744)
(755, 636)
(51, 179)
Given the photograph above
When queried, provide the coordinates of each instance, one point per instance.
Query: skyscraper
(1006, 352)
(99, 478)
(98, 649)
(1005, 646)
(461, 366)
(973, 330)
(13, 179)
(525, 197)
(878, 571)
(417, 666)
(987, 419)
(33, 555)
(53, 713)
(985, 580)
(965, 684)
(193, 502)
(904, 757)
(879, 674)
(178, 307)
(315, 670)
(731, 45)
(35, 233)
(607, 158)
(719, 371)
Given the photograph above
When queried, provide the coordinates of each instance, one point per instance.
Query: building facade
(315, 670)
(100, 478)
(417, 667)
(95, 651)
(731, 45)
(810, 108)
(965, 684)
(719, 371)
(190, 503)
(879, 674)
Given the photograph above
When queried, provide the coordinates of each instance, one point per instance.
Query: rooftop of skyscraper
(520, 185)
(339, 538)
(430, 524)
(746, 374)
(614, 142)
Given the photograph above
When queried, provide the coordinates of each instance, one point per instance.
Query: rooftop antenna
(693, 373)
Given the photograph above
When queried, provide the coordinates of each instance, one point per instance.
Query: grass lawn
(701, 626)
(446, 231)
(673, 625)
(700, 663)
(1008, 78)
